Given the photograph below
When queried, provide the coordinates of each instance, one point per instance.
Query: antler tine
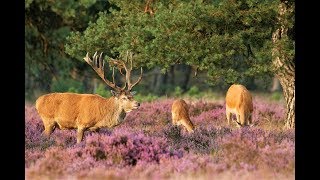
(98, 66)
(139, 79)
(101, 62)
(128, 71)
(113, 75)
(124, 87)
(95, 59)
(129, 60)
(87, 59)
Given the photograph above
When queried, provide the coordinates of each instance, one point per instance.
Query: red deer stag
(89, 111)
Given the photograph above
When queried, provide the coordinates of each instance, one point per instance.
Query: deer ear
(133, 93)
(114, 93)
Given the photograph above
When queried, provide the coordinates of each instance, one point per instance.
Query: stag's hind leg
(49, 126)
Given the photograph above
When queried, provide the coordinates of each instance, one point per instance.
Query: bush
(102, 91)
(150, 97)
(276, 96)
(178, 91)
(193, 91)
(67, 85)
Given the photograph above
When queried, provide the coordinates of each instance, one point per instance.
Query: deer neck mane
(118, 114)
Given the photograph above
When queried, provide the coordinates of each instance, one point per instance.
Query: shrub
(276, 96)
(148, 98)
(102, 91)
(178, 91)
(193, 91)
(67, 85)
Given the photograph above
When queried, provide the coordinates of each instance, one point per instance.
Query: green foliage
(102, 91)
(193, 91)
(178, 91)
(145, 98)
(277, 96)
(47, 24)
(230, 39)
(27, 3)
(67, 85)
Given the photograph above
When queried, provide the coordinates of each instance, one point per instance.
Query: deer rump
(239, 102)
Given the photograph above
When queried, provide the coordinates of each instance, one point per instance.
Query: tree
(283, 56)
(47, 24)
(221, 38)
(231, 40)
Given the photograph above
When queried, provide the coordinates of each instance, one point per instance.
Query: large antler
(98, 66)
(120, 64)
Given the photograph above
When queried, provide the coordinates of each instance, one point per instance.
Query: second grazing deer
(239, 102)
(180, 115)
(89, 111)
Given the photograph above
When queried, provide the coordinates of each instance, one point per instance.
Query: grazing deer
(239, 102)
(180, 115)
(89, 111)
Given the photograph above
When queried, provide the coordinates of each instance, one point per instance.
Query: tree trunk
(154, 81)
(172, 76)
(187, 73)
(284, 66)
(287, 83)
(159, 82)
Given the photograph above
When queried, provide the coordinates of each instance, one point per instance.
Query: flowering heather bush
(250, 148)
(199, 107)
(148, 146)
(215, 116)
(201, 141)
(270, 115)
(150, 117)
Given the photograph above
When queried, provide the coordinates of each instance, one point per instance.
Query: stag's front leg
(238, 121)
(49, 126)
(80, 134)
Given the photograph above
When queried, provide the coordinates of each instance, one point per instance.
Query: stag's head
(123, 95)
(126, 101)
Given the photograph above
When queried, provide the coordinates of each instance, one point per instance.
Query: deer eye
(124, 98)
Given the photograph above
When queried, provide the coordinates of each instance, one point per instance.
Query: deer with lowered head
(90, 111)
(239, 102)
(180, 115)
